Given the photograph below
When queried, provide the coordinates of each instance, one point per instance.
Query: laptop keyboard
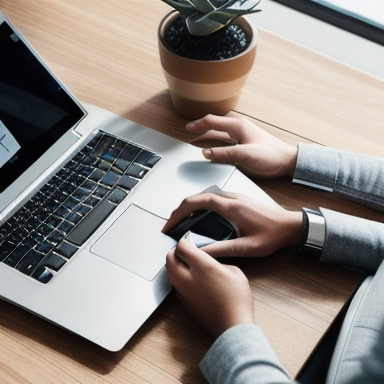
(44, 234)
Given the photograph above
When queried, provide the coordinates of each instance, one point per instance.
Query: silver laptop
(84, 195)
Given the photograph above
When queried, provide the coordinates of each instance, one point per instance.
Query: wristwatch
(313, 231)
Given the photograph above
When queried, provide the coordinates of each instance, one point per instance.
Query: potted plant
(207, 49)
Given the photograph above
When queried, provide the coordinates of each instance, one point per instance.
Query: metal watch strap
(313, 231)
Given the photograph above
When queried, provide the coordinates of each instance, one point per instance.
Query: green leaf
(203, 6)
(198, 27)
(203, 17)
(225, 15)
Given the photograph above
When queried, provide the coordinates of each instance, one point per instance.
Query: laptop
(84, 195)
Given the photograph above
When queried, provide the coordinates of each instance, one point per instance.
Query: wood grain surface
(105, 51)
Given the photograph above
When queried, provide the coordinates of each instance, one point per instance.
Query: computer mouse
(206, 227)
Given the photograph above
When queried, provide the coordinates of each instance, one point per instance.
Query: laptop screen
(35, 110)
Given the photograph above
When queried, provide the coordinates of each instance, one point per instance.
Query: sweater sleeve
(353, 176)
(349, 241)
(243, 355)
(353, 242)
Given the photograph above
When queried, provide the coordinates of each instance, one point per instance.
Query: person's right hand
(255, 152)
(262, 228)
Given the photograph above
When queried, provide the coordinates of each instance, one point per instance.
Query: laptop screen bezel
(27, 155)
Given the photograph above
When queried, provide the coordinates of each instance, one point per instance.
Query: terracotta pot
(201, 87)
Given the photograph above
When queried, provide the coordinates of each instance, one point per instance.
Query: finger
(233, 126)
(196, 259)
(230, 155)
(203, 201)
(211, 138)
(177, 270)
(230, 248)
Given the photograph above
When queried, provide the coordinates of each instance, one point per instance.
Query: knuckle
(209, 118)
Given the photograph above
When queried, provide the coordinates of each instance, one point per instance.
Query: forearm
(353, 176)
(243, 355)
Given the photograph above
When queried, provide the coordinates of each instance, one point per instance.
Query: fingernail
(190, 124)
(188, 237)
(207, 153)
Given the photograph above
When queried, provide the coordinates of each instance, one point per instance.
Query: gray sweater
(243, 355)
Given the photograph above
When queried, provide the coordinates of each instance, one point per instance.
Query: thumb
(189, 254)
(231, 154)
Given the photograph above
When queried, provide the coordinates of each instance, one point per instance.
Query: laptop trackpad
(135, 242)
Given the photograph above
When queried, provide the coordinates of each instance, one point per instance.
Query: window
(364, 18)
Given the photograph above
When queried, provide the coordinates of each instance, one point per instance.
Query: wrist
(291, 159)
(292, 229)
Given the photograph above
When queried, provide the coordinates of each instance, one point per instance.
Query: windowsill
(333, 42)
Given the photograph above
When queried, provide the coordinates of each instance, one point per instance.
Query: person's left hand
(217, 295)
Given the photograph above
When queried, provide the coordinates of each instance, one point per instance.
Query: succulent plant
(204, 17)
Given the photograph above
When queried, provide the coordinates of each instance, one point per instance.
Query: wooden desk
(105, 51)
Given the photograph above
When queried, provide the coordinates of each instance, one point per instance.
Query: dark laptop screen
(35, 111)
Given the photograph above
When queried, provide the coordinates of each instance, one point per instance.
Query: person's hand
(262, 228)
(217, 295)
(255, 152)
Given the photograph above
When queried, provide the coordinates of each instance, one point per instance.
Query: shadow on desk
(162, 116)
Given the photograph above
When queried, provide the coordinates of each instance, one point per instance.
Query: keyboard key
(89, 186)
(103, 145)
(100, 191)
(30, 242)
(117, 196)
(63, 211)
(148, 159)
(85, 170)
(80, 194)
(3, 234)
(97, 175)
(92, 201)
(53, 261)
(110, 155)
(83, 210)
(127, 182)
(15, 257)
(42, 274)
(56, 236)
(74, 218)
(66, 249)
(53, 221)
(45, 229)
(137, 170)
(29, 262)
(36, 237)
(126, 157)
(45, 247)
(110, 178)
(93, 220)
(71, 203)
(5, 249)
(16, 237)
(65, 226)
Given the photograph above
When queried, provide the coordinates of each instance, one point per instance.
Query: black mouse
(208, 225)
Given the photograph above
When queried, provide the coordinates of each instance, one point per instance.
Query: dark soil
(225, 43)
